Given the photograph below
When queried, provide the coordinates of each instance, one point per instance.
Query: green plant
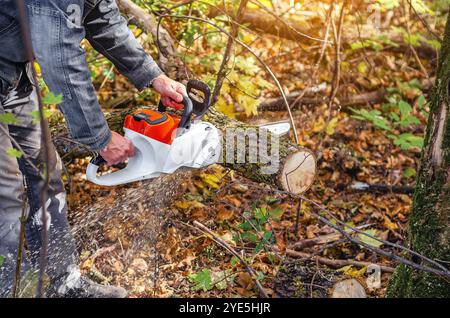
(254, 231)
(397, 115)
(206, 279)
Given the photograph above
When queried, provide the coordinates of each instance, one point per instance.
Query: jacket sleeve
(56, 33)
(108, 33)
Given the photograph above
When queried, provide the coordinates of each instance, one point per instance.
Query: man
(57, 27)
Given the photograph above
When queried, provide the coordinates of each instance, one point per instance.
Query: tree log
(295, 167)
(373, 97)
(276, 104)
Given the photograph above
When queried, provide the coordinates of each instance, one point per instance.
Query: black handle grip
(187, 111)
(199, 106)
(98, 160)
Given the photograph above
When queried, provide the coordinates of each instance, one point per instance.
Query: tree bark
(429, 223)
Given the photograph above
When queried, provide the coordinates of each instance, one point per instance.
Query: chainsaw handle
(187, 111)
(98, 160)
(199, 106)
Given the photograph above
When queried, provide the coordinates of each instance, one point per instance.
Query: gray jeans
(19, 178)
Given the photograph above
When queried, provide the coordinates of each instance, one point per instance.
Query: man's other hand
(171, 91)
(118, 150)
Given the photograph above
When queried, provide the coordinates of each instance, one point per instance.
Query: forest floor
(167, 253)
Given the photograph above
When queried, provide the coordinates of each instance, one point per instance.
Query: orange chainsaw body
(153, 124)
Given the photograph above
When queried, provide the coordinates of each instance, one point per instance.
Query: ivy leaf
(51, 98)
(8, 119)
(202, 280)
(14, 152)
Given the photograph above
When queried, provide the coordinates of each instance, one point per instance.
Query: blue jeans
(19, 178)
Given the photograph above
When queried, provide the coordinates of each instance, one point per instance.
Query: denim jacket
(57, 28)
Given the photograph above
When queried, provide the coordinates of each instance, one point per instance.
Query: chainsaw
(165, 142)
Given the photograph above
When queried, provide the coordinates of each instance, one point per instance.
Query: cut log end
(298, 172)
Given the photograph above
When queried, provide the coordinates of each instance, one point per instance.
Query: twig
(103, 250)
(424, 23)
(411, 47)
(226, 55)
(321, 55)
(222, 243)
(23, 222)
(443, 272)
(335, 263)
(337, 32)
(106, 77)
(46, 141)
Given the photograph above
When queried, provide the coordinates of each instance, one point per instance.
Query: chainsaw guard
(196, 147)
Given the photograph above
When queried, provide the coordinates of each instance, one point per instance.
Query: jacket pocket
(7, 24)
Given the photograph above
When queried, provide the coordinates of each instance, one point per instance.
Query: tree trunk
(429, 228)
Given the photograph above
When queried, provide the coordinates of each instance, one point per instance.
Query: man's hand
(171, 91)
(118, 150)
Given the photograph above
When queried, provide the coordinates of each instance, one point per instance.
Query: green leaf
(249, 236)
(234, 261)
(260, 214)
(421, 101)
(14, 152)
(37, 116)
(259, 247)
(202, 280)
(268, 235)
(405, 108)
(51, 98)
(8, 119)
(409, 172)
(2, 260)
(246, 225)
(276, 213)
(260, 275)
(409, 120)
(368, 240)
(407, 141)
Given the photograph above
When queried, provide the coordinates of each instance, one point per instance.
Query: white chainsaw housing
(196, 147)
